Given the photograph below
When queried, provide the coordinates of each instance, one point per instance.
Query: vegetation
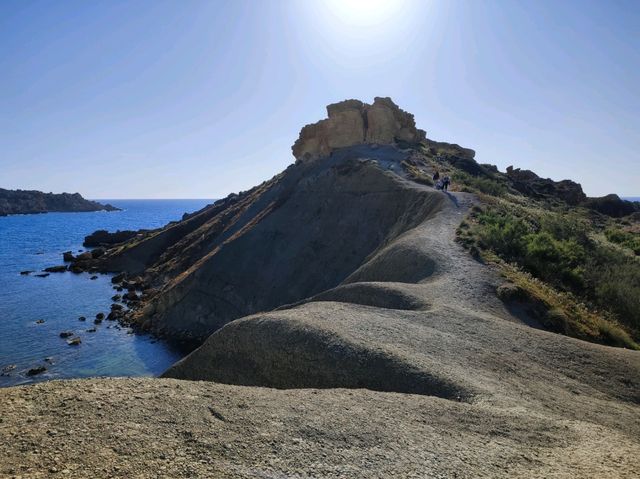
(626, 239)
(573, 282)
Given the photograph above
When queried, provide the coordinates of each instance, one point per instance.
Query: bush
(625, 239)
(555, 247)
(485, 185)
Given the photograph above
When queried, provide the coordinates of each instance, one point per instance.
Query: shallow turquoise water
(33, 242)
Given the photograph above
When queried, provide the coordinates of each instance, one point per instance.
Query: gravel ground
(168, 428)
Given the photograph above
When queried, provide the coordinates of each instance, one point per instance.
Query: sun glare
(366, 13)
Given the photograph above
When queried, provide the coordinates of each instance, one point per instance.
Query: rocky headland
(346, 329)
(22, 202)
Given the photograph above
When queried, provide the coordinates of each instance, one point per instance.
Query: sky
(197, 99)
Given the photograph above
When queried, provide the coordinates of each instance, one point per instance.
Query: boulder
(25, 273)
(68, 257)
(55, 269)
(35, 371)
(66, 334)
(84, 256)
(74, 341)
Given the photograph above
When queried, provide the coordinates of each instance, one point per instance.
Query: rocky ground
(167, 428)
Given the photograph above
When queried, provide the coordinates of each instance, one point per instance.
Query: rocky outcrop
(13, 202)
(352, 122)
(530, 184)
(612, 205)
(103, 237)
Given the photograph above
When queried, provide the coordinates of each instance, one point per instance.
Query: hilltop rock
(14, 202)
(352, 122)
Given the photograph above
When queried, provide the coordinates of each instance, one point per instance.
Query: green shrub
(488, 186)
(554, 246)
(625, 239)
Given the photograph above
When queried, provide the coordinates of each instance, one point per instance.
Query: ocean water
(632, 198)
(34, 242)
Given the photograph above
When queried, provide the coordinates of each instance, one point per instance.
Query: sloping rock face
(307, 233)
(14, 202)
(352, 122)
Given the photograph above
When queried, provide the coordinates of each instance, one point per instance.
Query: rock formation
(352, 122)
(530, 184)
(13, 202)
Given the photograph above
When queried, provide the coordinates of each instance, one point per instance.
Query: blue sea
(34, 242)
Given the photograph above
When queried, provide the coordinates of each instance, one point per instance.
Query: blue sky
(196, 99)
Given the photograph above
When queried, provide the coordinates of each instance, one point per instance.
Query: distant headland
(16, 202)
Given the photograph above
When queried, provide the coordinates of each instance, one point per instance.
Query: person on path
(436, 176)
(446, 181)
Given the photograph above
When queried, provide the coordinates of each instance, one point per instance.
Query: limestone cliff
(352, 122)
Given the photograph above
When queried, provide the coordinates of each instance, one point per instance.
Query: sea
(34, 311)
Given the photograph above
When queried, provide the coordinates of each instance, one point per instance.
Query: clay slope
(304, 232)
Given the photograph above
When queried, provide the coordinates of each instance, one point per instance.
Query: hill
(354, 321)
(22, 202)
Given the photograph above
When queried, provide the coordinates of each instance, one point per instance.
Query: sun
(366, 13)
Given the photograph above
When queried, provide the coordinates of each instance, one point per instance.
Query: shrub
(625, 239)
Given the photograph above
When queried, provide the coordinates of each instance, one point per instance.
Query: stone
(74, 341)
(97, 321)
(68, 257)
(55, 269)
(82, 318)
(42, 275)
(97, 252)
(100, 316)
(116, 297)
(35, 371)
(66, 334)
(40, 321)
(93, 278)
(91, 330)
(352, 122)
(25, 273)
(84, 256)
(118, 278)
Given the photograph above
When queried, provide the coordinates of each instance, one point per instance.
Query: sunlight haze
(198, 99)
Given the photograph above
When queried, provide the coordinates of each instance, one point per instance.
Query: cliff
(13, 202)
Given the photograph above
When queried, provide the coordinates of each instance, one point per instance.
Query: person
(436, 176)
(439, 185)
(446, 181)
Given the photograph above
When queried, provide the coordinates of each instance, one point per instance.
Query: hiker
(446, 181)
(439, 185)
(436, 176)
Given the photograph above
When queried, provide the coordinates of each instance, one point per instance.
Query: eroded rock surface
(352, 122)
